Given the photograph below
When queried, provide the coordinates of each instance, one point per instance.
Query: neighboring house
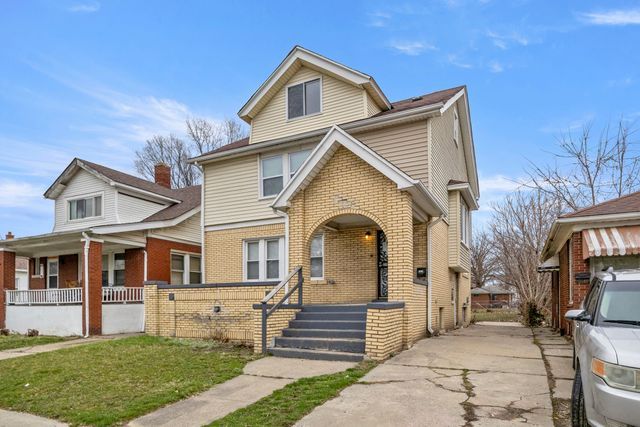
(491, 296)
(124, 229)
(584, 242)
(371, 198)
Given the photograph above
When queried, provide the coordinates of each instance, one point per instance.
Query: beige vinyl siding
(458, 251)
(372, 107)
(448, 160)
(188, 230)
(134, 209)
(232, 189)
(341, 103)
(84, 183)
(406, 146)
(133, 236)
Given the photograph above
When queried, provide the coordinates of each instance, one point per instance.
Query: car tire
(578, 410)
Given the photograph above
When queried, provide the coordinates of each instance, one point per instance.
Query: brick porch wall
(37, 282)
(68, 271)
(134, 267)
(567, 278)
(7, 280)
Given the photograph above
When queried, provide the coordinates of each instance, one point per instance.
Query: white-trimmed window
(317, 256)
(456, 126)
(304, 99)
(52, 273)
(185, 269)
(263, 259)
(465, 223)
(276, 171)
(113, 269)
(85, 207)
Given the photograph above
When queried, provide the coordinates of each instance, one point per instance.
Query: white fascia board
(301, 54)
(144, 193)
(137, 226)
(338, 136)
(452, 101)
(467, 193)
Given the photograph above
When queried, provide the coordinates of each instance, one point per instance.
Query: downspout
(431, 223)
(87, 243)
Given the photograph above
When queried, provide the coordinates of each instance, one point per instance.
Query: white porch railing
(45, 296)
(121, 294)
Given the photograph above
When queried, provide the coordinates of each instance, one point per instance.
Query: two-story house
(112, 231)
(360, 204)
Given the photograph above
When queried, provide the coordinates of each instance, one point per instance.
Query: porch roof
(337, 137)
(59, 243)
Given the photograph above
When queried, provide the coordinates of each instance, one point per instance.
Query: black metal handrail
(268, 311)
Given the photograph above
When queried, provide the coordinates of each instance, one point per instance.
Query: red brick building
(491, 297)
(111, 231)
(584, 242)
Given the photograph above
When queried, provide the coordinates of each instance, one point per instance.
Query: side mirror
(579, 315)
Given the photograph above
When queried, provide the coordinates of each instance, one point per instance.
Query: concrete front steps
(325, 332)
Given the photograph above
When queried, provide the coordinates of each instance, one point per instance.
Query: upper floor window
(456, 126)
(85, 207)
(465, 223)
(276, 171)
(303, 99)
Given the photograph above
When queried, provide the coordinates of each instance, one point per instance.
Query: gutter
(85, 297)
(429, 252)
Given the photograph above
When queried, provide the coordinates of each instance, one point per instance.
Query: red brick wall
(580, 288)
(37, 282)
(484, 300)
(159, 257)
(94, 299)
(68, 270)
(134, 267)
(7, 279)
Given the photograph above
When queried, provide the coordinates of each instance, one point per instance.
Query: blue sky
(94, 79)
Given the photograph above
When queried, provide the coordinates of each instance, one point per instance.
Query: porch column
(7, 279)
(92, 270)
(134, 267)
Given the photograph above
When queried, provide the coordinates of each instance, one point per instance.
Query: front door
(383, 282)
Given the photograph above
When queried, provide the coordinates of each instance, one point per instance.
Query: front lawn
(8, 342)
(114, 381)
(288, 405)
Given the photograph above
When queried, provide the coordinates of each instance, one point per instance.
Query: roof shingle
(625, 204)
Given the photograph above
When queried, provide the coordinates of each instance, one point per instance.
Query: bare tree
(483, 260)
(589, 170)
(203, 136)
(172, 151)
(519, 228)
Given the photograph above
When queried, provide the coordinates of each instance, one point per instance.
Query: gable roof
(439, 98)
(180, 200)
(110, 176)
(321, 154)
(298, 57)
(491, 289)
(625, 204)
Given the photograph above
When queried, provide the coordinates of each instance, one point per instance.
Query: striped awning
(611, 241)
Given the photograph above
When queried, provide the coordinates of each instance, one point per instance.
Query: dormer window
(85, 207)
(303, 99)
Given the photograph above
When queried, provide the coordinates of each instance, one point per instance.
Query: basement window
(303, 99)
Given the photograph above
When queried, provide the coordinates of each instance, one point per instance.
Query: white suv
(606, 389)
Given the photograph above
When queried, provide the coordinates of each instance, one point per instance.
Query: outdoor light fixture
(367, 235)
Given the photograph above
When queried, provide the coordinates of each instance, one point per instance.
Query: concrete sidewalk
(485, 375)
(20, 419)
(259, 379)
(26, 351)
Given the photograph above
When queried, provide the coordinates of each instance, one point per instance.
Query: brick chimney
(162, 173)
(9, 236)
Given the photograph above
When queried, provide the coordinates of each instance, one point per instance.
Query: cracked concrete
(484, 375)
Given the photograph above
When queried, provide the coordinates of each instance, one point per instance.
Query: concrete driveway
(484, 375)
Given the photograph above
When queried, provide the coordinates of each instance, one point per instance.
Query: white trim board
(254, 223)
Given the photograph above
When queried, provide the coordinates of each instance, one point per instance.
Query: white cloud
(496, 67)
(454, 60)
(379, 19)
(16, 194)
(505, 40)
(623, 82)
(493, 189)
(612, 17)
(411, 48)
(570, 125)
(89, 7)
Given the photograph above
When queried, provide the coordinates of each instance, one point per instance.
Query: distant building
(492, 296)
